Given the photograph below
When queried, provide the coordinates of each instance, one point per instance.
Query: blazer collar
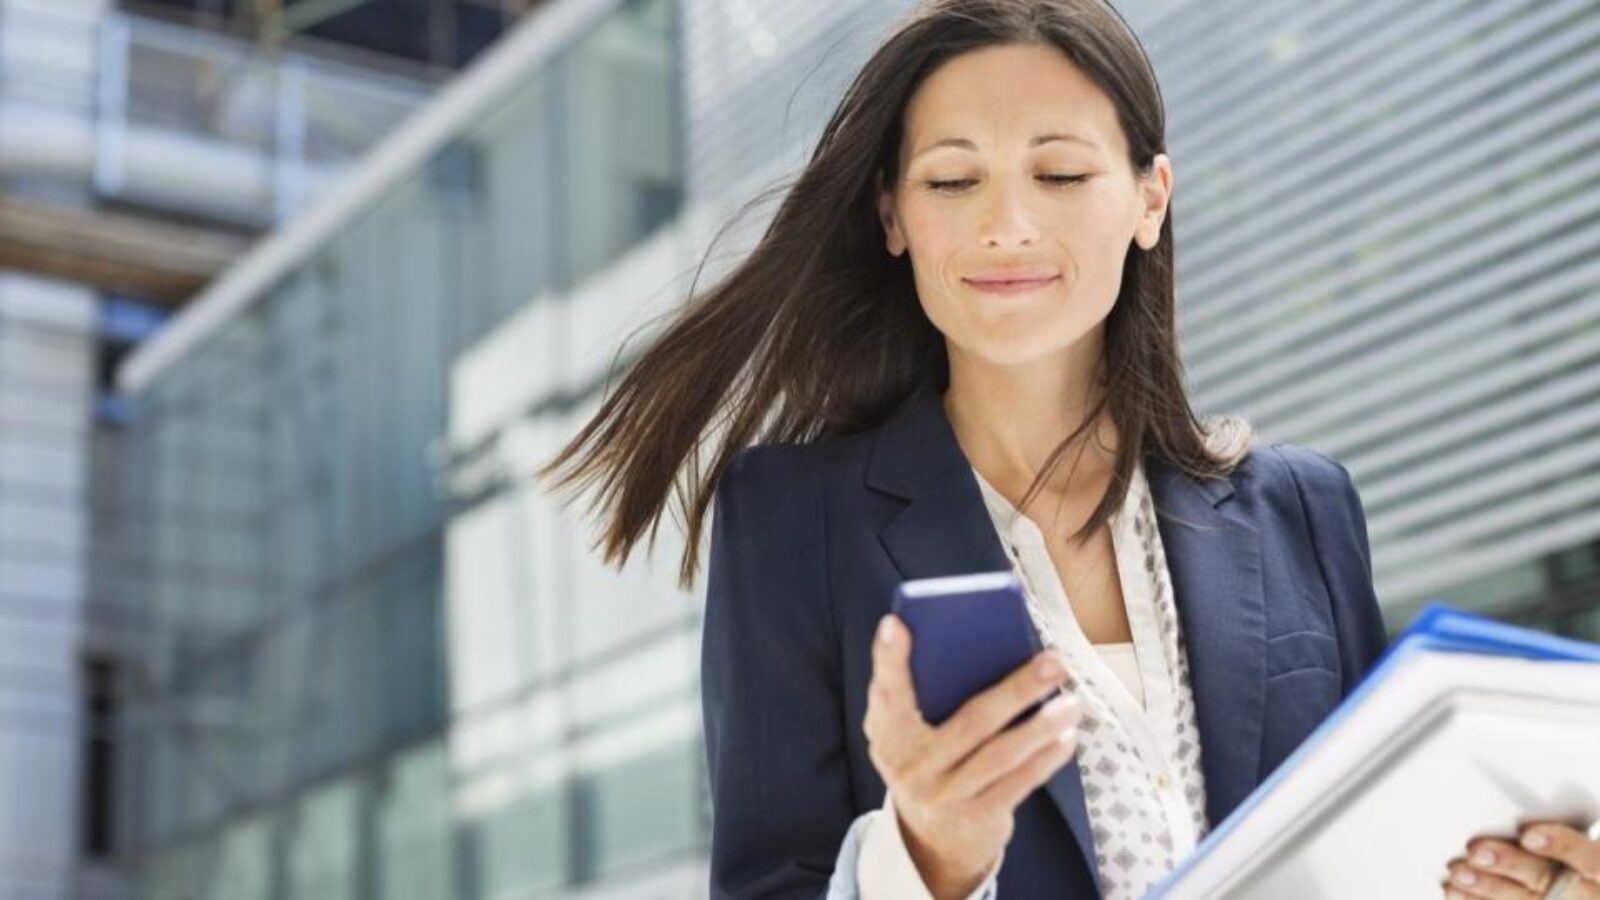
(1213, 555)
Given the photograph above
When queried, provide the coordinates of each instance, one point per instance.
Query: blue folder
(1443, 628)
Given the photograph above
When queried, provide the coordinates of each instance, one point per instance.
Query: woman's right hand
(956, 785)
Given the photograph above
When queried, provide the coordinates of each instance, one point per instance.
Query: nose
(1007, 221)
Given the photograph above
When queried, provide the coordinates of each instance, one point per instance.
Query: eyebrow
(965, 144)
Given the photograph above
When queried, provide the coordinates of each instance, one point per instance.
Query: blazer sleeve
(1339, 531)
(771, 684)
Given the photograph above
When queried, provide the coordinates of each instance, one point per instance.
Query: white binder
(1465, 727)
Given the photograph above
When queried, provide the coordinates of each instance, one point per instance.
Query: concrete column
(47, 390)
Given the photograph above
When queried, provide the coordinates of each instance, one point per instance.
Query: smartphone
(967, 633)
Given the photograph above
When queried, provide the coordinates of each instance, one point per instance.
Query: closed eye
(952, 186)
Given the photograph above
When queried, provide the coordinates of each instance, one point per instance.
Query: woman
(970, 282)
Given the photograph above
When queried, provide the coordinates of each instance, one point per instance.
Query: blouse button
(1163, 780)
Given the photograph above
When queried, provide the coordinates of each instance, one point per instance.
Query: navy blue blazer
(1271, 575)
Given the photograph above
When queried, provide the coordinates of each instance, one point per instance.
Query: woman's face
(1017, 203)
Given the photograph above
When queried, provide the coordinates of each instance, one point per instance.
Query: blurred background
(295, 293)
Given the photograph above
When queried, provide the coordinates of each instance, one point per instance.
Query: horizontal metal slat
(1430, 237)
(1283, 383)
(1507, 482)
(1406, 579)
(1365, 42)
(1329, 181)
(1577, 377)
(1501, 447)
(1570, 496)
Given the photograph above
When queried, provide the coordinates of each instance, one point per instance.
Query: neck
(1009, 423)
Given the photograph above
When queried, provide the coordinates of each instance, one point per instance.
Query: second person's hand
(957, 785)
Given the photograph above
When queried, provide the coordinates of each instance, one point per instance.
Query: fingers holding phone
(957, 784)
(1012, 763)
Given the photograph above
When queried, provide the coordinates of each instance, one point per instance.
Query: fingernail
(1483, 857)
(1535, 840)
(1465, 876)
(886, 632)
(1068, 735)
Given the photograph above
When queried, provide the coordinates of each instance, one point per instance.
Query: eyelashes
(953, 186)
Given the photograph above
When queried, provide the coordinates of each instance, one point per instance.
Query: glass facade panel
(323, 834)
(414, 828)
(644, 810)
(521, 844)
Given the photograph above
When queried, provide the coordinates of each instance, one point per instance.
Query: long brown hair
(819, 332)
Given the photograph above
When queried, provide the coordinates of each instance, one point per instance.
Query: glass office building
(281, 517)
(377, 663)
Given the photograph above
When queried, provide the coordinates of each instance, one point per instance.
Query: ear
(894, 238)
(1155, 191)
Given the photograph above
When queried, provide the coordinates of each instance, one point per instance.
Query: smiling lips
(1015, 281)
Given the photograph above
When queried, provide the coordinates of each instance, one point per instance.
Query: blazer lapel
(945, 529)
(1213, 555)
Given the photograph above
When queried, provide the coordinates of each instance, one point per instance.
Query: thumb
(891, 666)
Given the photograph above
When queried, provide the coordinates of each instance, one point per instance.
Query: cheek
(1096, 237)
(933, 242)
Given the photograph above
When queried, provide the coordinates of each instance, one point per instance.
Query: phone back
(967, 633)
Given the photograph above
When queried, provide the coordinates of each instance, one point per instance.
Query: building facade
(138, 158)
